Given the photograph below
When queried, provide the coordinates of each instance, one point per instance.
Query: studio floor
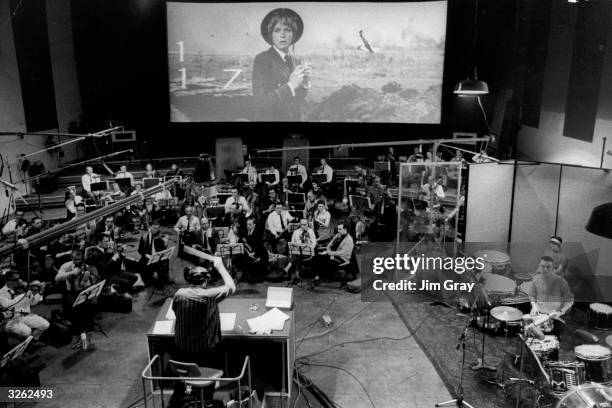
(367, 359)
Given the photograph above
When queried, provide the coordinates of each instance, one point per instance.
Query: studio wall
(489, 203)
(547, 142)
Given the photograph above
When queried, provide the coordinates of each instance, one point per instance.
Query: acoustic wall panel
(489, 202)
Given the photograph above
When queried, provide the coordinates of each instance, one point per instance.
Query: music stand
(125, 183)
(148, 182)
(229, 250)
(99, 186)
(161, 256)
(87, 294)
(223, 197)
(360, 203)
(294, 180)
(15, 352)
(296, 214)
(217, 211)
(240, 178)
(268, 178)
(319, 178)
(296, 198)
(301, 252)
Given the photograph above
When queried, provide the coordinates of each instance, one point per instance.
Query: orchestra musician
(269, 205)
(322, 222)
(174, 171)
(151, 242)
(416, 155)
(208, 238)
(256, 262)
(87, 179)
(559, 258)
(318, 192)
(327, 170)
(432, 186)
(150, 172)
(187, 227)
(237, 198)
(338, 252)
(298, 169)
(283, 192)
(123, 173)
(277, 224)
(310, 206)
(391, 159)
(107, 261)
(302, 237)
(549, 293)
(271, 170)
(251, 171)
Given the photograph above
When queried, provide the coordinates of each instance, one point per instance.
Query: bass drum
(587, 396)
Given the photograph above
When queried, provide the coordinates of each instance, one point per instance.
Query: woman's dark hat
(282, 12)
(196, 275)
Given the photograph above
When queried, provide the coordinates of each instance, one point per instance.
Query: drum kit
(575, 384)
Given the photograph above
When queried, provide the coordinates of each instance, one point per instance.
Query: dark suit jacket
(255, 241)
(272, 95)
(146, 248)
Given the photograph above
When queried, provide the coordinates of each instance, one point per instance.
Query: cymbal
(609, 340)
(506, 313)
(524, 276)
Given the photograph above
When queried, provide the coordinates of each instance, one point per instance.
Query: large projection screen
(352, 62)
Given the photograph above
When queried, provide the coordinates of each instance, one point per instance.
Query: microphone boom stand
(459, 401)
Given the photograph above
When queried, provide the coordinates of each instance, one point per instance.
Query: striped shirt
(198, 325)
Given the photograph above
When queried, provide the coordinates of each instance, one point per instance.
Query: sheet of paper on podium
(163, 327)
(228, 321)
(271, 320)
(279, 297)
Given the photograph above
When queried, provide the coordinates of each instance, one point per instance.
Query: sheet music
(271, 320)
(163, 327)
(228, 321)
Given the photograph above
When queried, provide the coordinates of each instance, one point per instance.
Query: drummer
(558, 256)
(549, 293)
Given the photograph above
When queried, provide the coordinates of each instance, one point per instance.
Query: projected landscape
(375, 63)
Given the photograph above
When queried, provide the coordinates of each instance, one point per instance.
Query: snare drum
(565, 375)
(596, 359)
(599, 316)
(543, 348)
(587, 396)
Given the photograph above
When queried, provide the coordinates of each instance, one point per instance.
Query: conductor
(198, 327)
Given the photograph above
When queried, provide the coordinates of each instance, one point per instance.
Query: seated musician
(459, 158)
(151, 242)
(150, 171)
(16, 226)
(322, 222)
(269, 204)
(16, 310)
(162, 208)
(302, 237)
(87, 179)
(318, 192)
(338, 252)
(123, 173)
(77, 277)
(311, 205)
(238, 198)
(174, 171)
(284, 190)
(391, 159)
(107, 261)
(251, 171)
(198, 329)
(329, 174)
(361, 171)
(271, 170)
(187, 228)
(107, 225)
(549, 293)
(376, 191)
(253, 203)
(298, 169)
(115, 194)
(208, 238)
(277, 224)
(432, 186)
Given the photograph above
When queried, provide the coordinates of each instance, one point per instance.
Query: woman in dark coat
(280, 80)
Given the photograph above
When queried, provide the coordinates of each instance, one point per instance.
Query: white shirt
(162, 195)
(311, 239)
(21, 305)
(301, 171)
(87, 179)
(252, 172)
(273, 222)
(9, 227)
(241, 200)
(329, 172)
(182, 224)
(438, 190)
